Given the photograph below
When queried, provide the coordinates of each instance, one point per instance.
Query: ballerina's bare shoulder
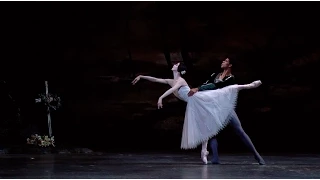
(180, 81)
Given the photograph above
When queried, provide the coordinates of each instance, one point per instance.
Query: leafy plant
(42, 141)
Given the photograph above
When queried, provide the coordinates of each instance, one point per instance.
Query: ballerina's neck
(176, 75)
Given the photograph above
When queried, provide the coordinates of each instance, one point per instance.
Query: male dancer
(219, 81)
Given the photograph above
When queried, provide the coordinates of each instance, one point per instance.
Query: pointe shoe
(204, 155)
(255, 84)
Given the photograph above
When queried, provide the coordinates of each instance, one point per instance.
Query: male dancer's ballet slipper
(260, 160)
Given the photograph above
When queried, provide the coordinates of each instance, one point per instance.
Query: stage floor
(157, 165)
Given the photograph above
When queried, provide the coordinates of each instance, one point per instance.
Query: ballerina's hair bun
(182, 69)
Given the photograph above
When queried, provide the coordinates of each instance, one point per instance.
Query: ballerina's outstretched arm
(149, 78)
(174, 87)
(168, 92)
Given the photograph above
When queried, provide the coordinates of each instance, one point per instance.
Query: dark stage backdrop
(90, 53)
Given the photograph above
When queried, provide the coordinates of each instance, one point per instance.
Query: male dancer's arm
(212, 86)
(209, 84)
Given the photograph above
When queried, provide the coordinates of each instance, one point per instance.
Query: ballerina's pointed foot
(256, 84)
(204, 155)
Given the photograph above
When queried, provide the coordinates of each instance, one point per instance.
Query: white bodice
(183, 93)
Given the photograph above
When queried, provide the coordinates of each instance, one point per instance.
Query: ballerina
(207, 112)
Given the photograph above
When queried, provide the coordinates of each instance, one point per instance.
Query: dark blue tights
(236, 125)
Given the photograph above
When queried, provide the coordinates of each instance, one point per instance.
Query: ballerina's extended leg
(252, 85)
(204, 152)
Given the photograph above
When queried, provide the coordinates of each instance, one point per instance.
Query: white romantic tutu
(207, 113)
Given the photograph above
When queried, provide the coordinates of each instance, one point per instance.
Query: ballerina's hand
(136, 80)
(160, 103)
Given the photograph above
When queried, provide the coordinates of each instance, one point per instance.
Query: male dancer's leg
(235, 123)
(214, 148)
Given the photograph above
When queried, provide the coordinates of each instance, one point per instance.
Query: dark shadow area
(89, 52)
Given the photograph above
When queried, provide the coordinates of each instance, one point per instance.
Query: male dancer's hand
(193, 91)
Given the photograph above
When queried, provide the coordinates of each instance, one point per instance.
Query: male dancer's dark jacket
(215, 83)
